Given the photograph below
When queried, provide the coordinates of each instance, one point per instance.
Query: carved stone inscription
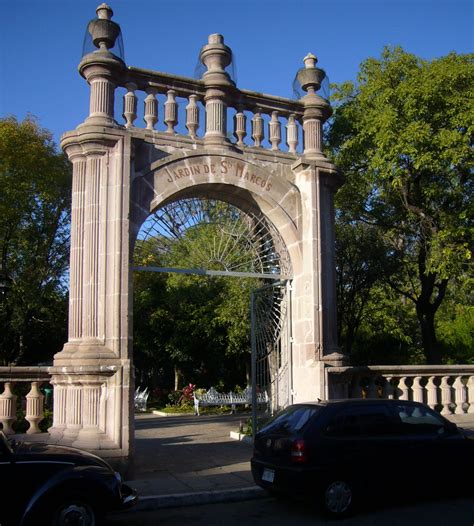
(203, 170)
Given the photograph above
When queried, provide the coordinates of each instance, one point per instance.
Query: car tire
(76, 509)
(338, 498)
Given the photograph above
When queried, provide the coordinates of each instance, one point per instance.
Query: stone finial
(216, 56)
(103, 30)
(310, 77)
(104, 12)
(310, 61)
(215, 38)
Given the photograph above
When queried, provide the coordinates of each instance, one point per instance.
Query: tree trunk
(426, 319)
(178, 377)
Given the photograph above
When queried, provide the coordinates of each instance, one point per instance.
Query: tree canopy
(34, 242)
(402, 136)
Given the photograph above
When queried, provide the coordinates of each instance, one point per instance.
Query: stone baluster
(130, 105)
(470, 394)
(171, 111)
(257, 129)
(417, 389)
(387, 391)
(446, 396)
(432, 392)
(403, 390)
(192, 116)
(274, 128)
(292, 134)
(34, 408)
(240, 127)
(459, 395)
(372, 388)
(8, 408)
(151, 109)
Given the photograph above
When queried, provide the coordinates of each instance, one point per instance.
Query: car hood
(52, 452)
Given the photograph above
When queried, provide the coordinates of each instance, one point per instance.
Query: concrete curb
(153, 502)
(246, 439)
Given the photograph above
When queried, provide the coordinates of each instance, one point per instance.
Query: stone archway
(122, 172)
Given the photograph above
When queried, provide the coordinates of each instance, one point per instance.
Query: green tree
(360, 254)
(34, 242)
(403, 139)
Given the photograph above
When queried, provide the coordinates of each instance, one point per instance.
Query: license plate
(268, 475)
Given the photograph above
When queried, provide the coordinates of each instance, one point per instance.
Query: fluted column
(59, 409)
(73, 411)
(102, 98)
(91, 247)
(216, 119)
(77, 247)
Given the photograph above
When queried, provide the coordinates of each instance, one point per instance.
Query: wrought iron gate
(271, 350)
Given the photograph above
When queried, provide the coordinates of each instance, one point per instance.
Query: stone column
(92, 390)
(216, 56)
(315, 331)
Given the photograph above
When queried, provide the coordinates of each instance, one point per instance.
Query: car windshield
(291, 420)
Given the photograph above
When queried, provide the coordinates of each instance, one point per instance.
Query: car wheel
(76, 511)
(338, 498)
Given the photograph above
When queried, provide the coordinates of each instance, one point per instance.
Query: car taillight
(299, 452)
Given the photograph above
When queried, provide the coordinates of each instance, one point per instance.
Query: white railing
(446, 388)
(213, 398)
(33, 401)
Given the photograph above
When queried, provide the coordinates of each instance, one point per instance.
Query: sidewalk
(182, 460)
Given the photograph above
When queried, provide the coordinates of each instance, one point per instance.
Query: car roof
(356, 401)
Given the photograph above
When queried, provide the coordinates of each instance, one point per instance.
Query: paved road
(269, 512)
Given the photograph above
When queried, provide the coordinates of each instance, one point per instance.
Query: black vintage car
(342, 452)
(47, 484)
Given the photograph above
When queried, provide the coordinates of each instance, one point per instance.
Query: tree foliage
(34, 242)
(403, 138)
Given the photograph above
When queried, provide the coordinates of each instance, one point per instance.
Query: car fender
(96, 481)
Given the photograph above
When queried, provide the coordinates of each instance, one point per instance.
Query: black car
(47, 484)
(344, 451)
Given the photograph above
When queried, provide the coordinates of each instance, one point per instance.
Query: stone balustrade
(182, 111)
(33, 401)
(446, 388)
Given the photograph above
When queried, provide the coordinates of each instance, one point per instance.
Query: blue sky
(41, 42)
